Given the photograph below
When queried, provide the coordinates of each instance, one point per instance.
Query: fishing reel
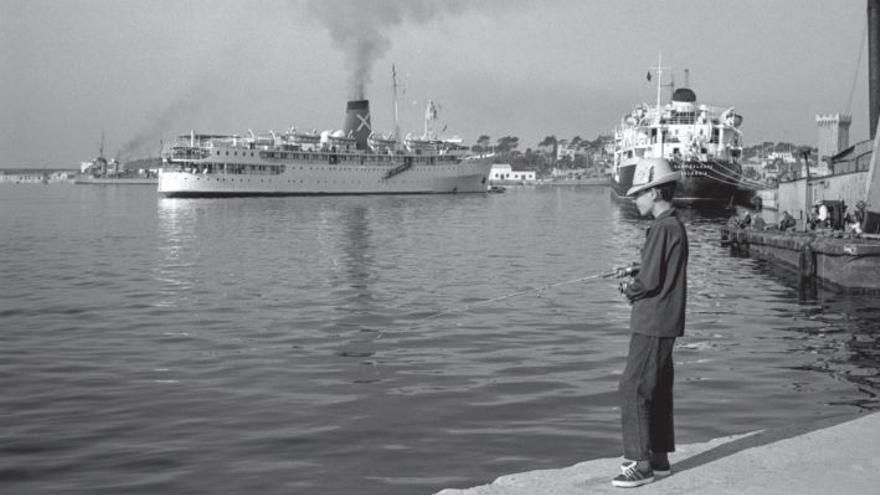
(630, 270)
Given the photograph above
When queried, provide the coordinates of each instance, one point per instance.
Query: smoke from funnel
(177, 112)
(361, 29)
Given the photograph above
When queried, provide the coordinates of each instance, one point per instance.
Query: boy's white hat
(651, 172)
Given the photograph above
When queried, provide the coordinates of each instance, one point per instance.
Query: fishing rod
(619, 272)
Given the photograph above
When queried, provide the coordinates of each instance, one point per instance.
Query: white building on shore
(35, 176)
(503, 174)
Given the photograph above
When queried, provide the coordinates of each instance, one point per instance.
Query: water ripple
(340, 345)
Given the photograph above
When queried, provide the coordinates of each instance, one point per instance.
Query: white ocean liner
(350, 161)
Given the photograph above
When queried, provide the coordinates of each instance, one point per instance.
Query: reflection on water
(357, 260)
(353, 287)
(175, 236)
(839, 334)
(293, 345)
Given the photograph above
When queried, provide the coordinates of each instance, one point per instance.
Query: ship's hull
(146, 181)
(321, 178)
(702, 183)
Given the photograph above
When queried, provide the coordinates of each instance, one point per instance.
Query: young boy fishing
(658, 293)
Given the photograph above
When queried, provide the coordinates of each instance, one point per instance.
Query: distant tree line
(767, 148)
(551, 153)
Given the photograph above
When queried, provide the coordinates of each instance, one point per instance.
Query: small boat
(382, 144)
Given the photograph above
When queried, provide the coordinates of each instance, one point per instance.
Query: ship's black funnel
(357, 121)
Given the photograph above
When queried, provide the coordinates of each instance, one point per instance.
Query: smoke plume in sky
(363, 30)
(519, 68)
(145, 142)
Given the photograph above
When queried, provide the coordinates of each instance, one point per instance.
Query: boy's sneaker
(631, 476)
(661, 470)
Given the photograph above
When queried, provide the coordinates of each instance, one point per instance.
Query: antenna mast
(394, 87)
(659, 79)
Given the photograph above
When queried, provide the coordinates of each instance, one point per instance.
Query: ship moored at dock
(701, 141)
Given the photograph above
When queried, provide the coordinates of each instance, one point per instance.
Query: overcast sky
(144, 70)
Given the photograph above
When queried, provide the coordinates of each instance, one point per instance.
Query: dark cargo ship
(701, 141)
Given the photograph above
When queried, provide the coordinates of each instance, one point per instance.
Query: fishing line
(615, 273)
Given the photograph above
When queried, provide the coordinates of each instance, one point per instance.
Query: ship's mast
(427, 118)
(659, 69)
(430, 119)
(394, 88)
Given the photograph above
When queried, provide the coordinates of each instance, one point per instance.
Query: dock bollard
(807, 262)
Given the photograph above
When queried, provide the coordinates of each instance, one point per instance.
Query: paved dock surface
(830, 456)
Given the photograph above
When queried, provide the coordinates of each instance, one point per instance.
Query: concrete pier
(839, 455)
(850, 264)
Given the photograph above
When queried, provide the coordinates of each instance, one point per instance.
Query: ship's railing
(650, 116)
(187, 153)
(224, 169)
(201, 146)
(722, 136)
(203, 161)
(354, 156)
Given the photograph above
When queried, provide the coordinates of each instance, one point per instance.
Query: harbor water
(342, 345)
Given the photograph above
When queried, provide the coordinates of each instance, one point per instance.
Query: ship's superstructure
(100, 166)
(353, 160)
(103, 171)
(703, 142)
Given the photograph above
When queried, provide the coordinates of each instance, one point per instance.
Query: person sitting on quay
(755, 221)
(812, 219)
(758, 222)
(853, 221)
(733, 223)
(788, 222)
(823, 216)
(859, 215)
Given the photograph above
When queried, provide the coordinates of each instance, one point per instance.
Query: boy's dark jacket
(659, 291)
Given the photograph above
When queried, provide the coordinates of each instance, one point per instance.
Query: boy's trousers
(646, 397)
